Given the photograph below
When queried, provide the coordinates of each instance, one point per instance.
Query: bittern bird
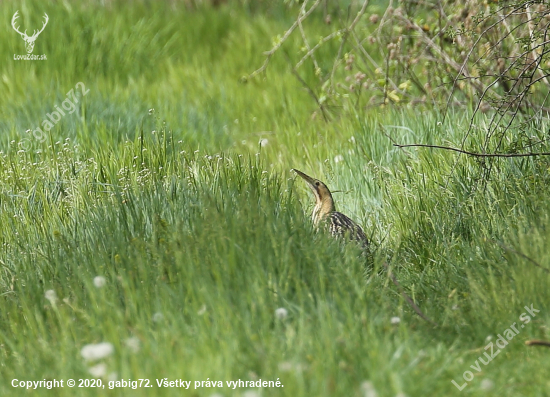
(339, 225)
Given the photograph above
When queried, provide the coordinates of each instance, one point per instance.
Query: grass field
(161, 217)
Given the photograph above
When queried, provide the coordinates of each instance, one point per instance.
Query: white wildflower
(486, 384)
(51, 296)
(133, 344)
(97, 351)
(281, 313)
(338, 158)
(263, 142)
(98, 371)
(368, 389)
(157, 317)
(285, 366)
(395, 320)
(99, 281)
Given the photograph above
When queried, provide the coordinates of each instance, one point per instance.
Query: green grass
(201, 233)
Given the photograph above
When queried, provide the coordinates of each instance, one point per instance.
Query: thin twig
(531, 36)
(462, 69)
(308, 88)
(473, 153)
(371, 60)
(303, 15)
(387, 135)
(308, 47)
(536, 342)
(345, 35)
(534, 262)
(319, 44)
(407, 297)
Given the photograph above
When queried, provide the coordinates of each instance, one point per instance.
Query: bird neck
(322, 209)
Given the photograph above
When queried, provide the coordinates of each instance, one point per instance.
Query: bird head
(324, 204)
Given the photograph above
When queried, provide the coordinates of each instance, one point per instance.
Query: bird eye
(317, 183)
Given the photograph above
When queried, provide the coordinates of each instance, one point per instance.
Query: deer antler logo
(29, 40)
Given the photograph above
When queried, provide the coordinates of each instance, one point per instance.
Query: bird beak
(310, 181)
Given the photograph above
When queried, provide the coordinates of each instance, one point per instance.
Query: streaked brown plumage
(339, 225)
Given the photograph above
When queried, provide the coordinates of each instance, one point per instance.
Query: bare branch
(536, 342)
(303, 15)
(473, 153)
(309, 90)
(534, 262)
(407, 297)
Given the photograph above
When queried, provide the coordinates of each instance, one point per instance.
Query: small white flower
(97, 351)
(202, 310)
(486, 384)
(338, 158)
(285, 366)
(395, 320)
(368, 389)
(157, 317)
(133, 344)
(263, 142)
(99, 281)
(98, 371)
(51, 296)
(281, 313)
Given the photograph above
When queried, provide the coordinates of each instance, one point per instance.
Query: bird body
(339, 224)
